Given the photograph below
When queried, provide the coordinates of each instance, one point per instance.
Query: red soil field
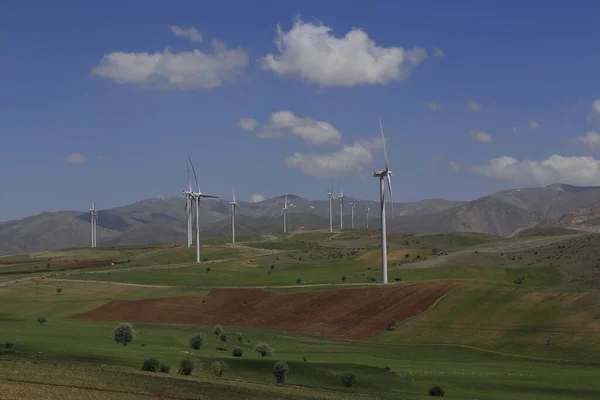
(354, 314)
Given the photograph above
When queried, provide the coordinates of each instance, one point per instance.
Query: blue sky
(75, 81)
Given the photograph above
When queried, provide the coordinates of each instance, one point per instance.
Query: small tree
(223, 337)
(344, 278)
(186, 366)
(42, 320)
(392, 325)
(217, 368)
(207, 270)
(348, 378)
(436, 391)
(280, 370)
(165, 368)
(196, 341)
(240, 337)
(152, 365)
(58, 291)
(124, 333)
(237, 352)
(298, 281)
(264, 349)
(218, 330)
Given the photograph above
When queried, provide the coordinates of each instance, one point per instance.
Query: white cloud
(437, 52)
(284, 123)
(455, 166)
(434, 106)
(76, 158)
(256, 198)
(473, 106)
(556, 169)
(482, 137)
(191, 33)
(185, 71)
(247, 124)
(351, 161)
(534, 125)
(314, 54)
(591, 140)
(594, 109)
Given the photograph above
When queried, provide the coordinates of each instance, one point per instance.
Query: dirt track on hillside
(355, 314)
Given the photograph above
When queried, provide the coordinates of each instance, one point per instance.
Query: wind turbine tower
(188, 207)
(330, 195)
(368, 210)
(341, 197)
(233, 205)
(284, 209)
(94, 220)
(352, 205)
(384, 175)
(196, 197)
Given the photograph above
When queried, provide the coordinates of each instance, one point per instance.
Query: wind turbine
(352, 205)
(196, 196)
(188, 207)
(94, 220)
(368, 210)
(233, 204)
(341, 197)
(284, 209)
(386, 174)
(330, 195)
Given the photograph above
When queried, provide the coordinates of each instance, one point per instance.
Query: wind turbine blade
(187, 164)
(285, 201)
(210, 196)
(234, 195)
(387, 165)
(194, 171)
(389, 182)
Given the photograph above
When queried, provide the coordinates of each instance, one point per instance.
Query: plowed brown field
(355, 314)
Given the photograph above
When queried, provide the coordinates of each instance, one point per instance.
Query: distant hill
(504, 213)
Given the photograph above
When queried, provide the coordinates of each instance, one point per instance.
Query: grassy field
(492, 338)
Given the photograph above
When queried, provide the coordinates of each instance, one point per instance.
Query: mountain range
(505, 213)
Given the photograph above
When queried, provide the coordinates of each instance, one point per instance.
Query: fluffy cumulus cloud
(247, 124)
(191, 33)
(256, 198)
(314, 54)
(351, 161)
(594, 110)
(285, 123)
(76, 158)
(437, 52)
(482, 137)
(591, 140)
(555, 169)
(186, 70)
(473, 106)
(434, 106)
(534, 125)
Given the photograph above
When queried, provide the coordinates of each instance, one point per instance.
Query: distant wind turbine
(234, 205)
(284, 209)
(94, 220)
(330, 195)
(352, 205)
(386, 174)
(341, 197)
(368, 210)
(196, 197)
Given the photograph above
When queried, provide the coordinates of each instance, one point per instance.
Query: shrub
(392, 325)
(186, 366)
(348, 378)
(217, 368)
(9, 345)
(222, 348)
(42, 320)
(59, 291)
(223, 337)
(398, 279)
(240, 337)
(218, 330)
(207, 270)
(196, 341)
(124, 333)
(237, 352)
(165, 368)
(151, 364)
(304, 359)
(436, 391)
(298, 281)
(344, 278)
(280, 370)
(264, 349)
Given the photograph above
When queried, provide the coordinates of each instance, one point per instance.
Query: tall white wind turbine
(352, 205)
(284, 209)
(196, 197)
(341, 197)
(233, 205)
(368, 211)
(330, 195)
(188, 206)
(384, 175)
(94, 220)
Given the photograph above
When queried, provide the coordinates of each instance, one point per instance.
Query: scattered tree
(151, 364)
(207, 270)
(196, 341)
(304, 359)
(124, 333)
(436, 391)
(186, 366)
(58, 291)
(298, 281)
(392, 325)
(218, 330)
(348, 378)
(237, 352)
(264, 349)
(280, 370)
(240, 337)
(217, 368)
(398, 279)
(42, 320)
(223, 337)
(165, 368)
(344, 278)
